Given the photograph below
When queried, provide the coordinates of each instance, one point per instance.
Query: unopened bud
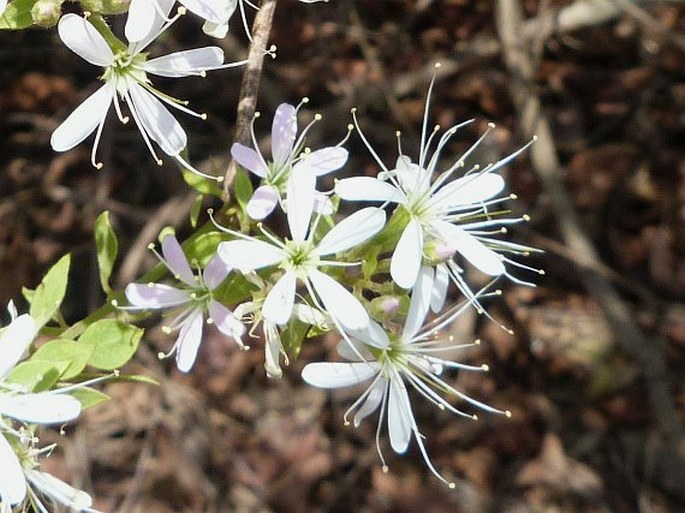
(384, 307)
(438, 252)
(46, 13)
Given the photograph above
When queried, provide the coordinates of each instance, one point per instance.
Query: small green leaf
(138, 378)
(37, 376)
(107, 249)
(195, 210)
(202, 185)
(17, 15)
(62, 352)
(235, 289)
(89, 397)
(113, 343)
(202, 248)
(50, 293)
(242, 188)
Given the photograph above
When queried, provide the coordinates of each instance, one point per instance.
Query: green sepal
(195, 210)
(292, 336)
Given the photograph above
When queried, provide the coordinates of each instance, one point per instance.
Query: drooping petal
(157, 121)
(365, 188)
(373, 399)
(338, 374)
(225, 321)
(84, 120)
(215, 272)
(155, 295)
(176, 260)
(187, 62)
(467, 190)
(248, 255)
(84, 40)
(352, 230)
(188, 341)
(278, 305)
(301, 183)
(414, 179)
(272, 351)
(249, 159)
(325, 160)
(406, 259)
(41, 408)
(14, 342)
(283, 132)
(12, 481)
(262, 202)
(439, 294)
(419, 304)
(473, 250)
(399, 415)
(339, 302)
(58, 490)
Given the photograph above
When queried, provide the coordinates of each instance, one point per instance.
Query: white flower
(301, 257)
(393, 362)
(286, 156)
(193, 300)
(126, 77)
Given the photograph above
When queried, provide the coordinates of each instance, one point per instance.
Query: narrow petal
(399, 417)
(41, 408)
(12, 481)
(439, 294)
(225, 321)
(322, 205)
(283, 132)
(406, 259)
(373, 335)
(84, 40)
(338, 374)
(352, 230)
(157, 121)
(15, 340)
(215, 272)
(473, 250)
(339, 302)
(325, 160)
(188, 341)
(272, 351)
(373, 399)
(249, 159)
(354, 350)
(419, 303)
(278, 305)
(211, 10)
(176, 260)
(467, 190)
(300, 204)
(411, 176)
(58, 490)
(262, 202)
(155, 295)
(140, 20)
(185, 63)
(248, 255)
(218, 30)
(84, 120)
(365, 188)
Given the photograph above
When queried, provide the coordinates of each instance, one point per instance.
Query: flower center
(300, 256)
(124, 68)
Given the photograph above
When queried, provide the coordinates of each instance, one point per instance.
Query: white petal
(157, 121)
(365, 188)
(12, 481)
(84, 40)
(248, 255)
(185, 63)
(58, 490)
(272, 351)
(41, 408)
(141, 18)
(283, 132)
(325, 160)
(373, 399)
(262, 202)
(3, 6)
(278, 305)
(322, 205)
(338, 374)
(413, 178)
(155, 295)
(354, 350)
(84, 120)
(249, 159)
(301, 183)
(439, 294)
(473, 250)
(14, 342)
(399, 416)
(468, 190)
(373, 335)
(406, 259)
(419, 303)
(352, 230)
(218, 30)
(211, 10)
(188, 341)
(215, 272)
(225, 321)
(339, 302)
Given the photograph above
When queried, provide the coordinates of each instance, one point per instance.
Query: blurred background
(594, 371)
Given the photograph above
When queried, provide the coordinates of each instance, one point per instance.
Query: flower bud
(46, 13)
(106, 6)
(384, 307)
(438, 251)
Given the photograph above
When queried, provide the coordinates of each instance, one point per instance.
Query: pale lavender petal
(337, 375)
(278, 305)
(225, 321)
(324, 161)
(12, 481)
(406, 259)
(399, 415)
(365, 188)
(84, 40)
(262, 202)
(188, 342)
(215, 272)
(15, 340)
(249, 159)
(248, 255)
(187, 62)
(300, 203)
(176, 260)
(283, 132)
(155, 295)
(352, 230)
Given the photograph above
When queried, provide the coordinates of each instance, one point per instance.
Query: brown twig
(249, 89)
(646, 352)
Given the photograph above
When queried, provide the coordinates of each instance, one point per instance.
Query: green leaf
(50, 293)
(202, 248)
(61, 352)
(202, 185)
(195, 210)
(37, 376)
(137, 378)
(17, 15)
(113, 343)
(242, 188)
(89, 397)
(235, 289)
(107, 249)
